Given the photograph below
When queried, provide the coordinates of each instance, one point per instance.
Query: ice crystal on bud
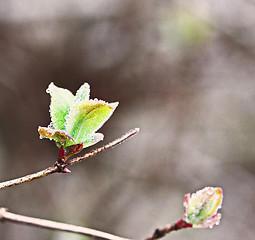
(201, 207)
(75, 119)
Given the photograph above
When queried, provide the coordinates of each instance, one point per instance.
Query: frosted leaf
(59, 136)
(82, 93)
(86, 117)
(61, 100)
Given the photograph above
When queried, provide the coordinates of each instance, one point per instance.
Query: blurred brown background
(183, 72)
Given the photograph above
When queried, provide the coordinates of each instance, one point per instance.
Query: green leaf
(86, 117)
(82, 93)
(61, 100)
(59, 136)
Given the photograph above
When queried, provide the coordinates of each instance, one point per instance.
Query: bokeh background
(183, 72)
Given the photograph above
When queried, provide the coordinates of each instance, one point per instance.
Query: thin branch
(16, 218)
(161, 232)
(103, 148)
(55, 169)
(29, 177)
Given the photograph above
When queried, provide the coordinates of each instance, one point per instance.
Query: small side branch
(55, 169)
(16, 218)
(105, 147)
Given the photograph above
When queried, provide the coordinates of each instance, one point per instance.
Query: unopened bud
(201, 207)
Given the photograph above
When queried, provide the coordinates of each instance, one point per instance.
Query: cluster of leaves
(75, 119)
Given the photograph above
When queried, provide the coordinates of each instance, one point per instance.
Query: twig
(12, 217)
(55, 169)
(103, 148)
(161, 232)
